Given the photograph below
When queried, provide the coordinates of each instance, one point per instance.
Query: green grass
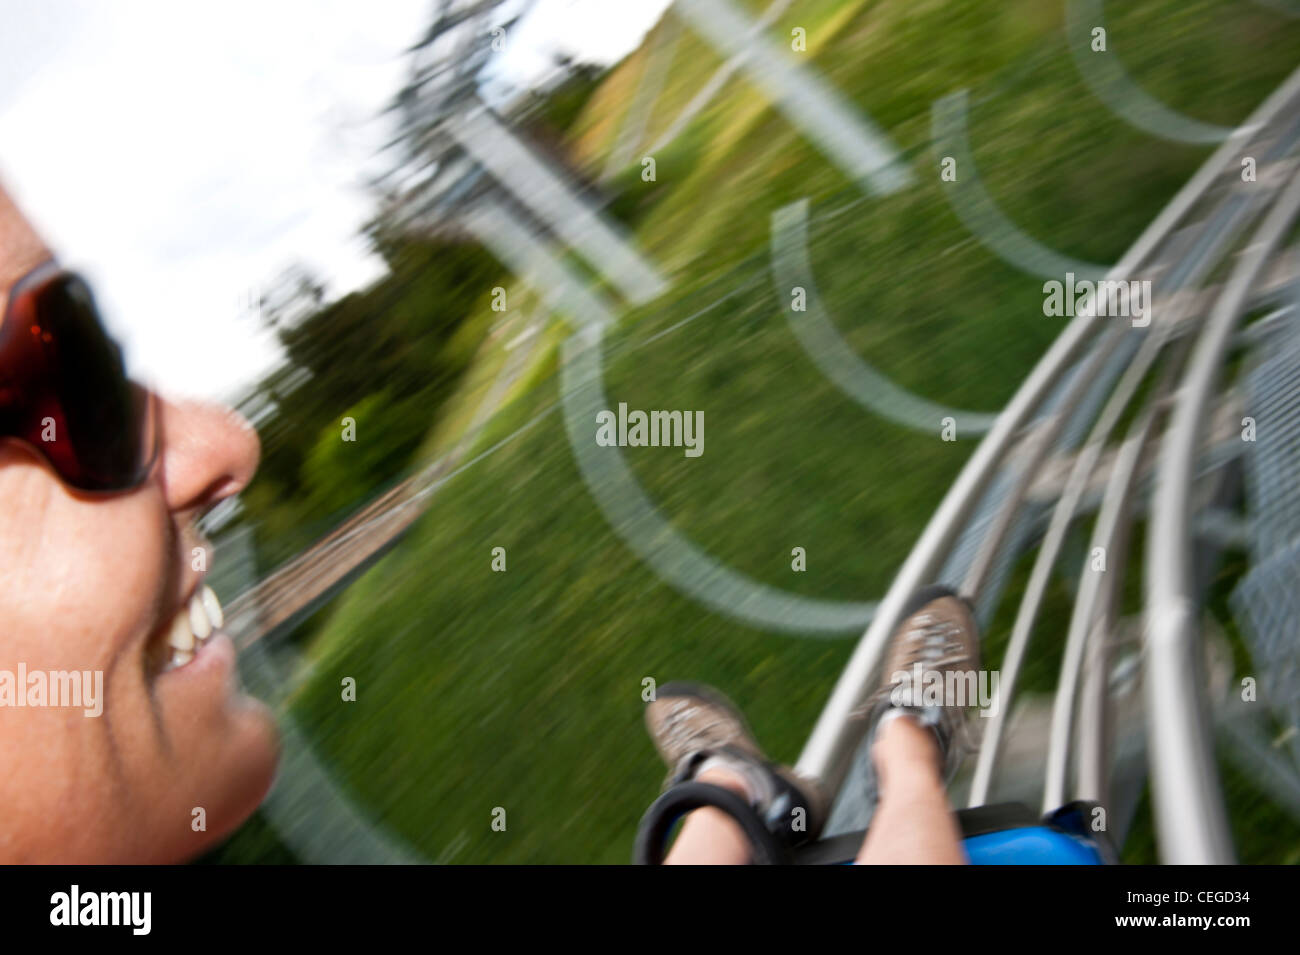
(523, 689)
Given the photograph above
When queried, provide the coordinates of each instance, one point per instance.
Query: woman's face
(98, 584)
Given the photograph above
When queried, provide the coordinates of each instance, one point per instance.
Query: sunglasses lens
(95, 426)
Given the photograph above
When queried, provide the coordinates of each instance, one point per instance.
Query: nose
(208, 452)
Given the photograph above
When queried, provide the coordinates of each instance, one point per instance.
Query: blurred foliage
(382, 356)
(558, 108)
(388, 356)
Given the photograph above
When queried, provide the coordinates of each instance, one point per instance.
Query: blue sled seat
(1031, 845)
(1002, 834)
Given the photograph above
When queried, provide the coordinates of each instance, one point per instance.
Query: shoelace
(679, 732)
(934, 644)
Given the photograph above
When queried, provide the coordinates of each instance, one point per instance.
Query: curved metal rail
(1174, 265)
(1062, 519)
(1093, 604)
(1191, 820)
(1177, 307)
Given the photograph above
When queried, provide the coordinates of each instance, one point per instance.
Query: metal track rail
(834, 739)
(1191, 820)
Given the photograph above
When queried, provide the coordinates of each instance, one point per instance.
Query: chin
(243, 778)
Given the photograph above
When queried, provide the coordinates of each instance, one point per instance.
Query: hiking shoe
(695, 728)
(937, 636)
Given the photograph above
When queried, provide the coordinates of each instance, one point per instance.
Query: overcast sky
(183, 153)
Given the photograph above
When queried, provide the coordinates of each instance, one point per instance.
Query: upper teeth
(212, 606)
(192, 627)
(199, 622)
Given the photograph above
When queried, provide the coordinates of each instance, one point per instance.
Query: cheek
(85, 582)
(58, 784)
(83, 577)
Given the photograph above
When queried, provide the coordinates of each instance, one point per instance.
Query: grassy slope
(522, 689)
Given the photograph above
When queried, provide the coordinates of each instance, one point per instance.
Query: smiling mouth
(194, 625)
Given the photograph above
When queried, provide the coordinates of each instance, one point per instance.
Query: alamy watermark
(55, 688)
(1120, 299)
(922, 687)
(653, 429)
(130, 909)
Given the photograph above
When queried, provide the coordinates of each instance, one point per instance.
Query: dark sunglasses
(64, 389)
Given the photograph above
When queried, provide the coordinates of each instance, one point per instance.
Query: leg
(703, 737)
(710, 836)
(918, 741)
(913, 823)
